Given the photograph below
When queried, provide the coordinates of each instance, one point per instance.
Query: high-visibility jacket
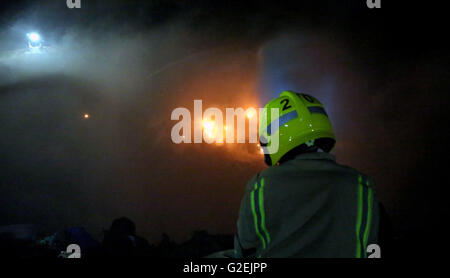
(309, 206)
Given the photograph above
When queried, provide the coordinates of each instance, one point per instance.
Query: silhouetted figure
(121, 240)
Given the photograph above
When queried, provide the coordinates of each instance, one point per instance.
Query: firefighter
(304, 204)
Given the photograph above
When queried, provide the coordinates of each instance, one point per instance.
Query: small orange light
(86, 116)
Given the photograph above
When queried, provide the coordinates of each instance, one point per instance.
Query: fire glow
(209, 125)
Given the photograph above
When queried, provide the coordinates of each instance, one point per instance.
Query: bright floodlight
(34, 37)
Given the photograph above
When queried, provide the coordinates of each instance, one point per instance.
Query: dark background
(381, 73)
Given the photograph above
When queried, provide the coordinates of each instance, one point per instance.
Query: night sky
(382, 74)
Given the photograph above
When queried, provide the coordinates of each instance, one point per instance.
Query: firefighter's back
(315, 207)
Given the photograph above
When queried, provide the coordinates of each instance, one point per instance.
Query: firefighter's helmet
(292, 120)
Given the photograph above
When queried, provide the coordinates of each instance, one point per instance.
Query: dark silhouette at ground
(120, 240)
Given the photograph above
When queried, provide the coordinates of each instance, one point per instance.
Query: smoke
(130, 72)
(63, 169)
